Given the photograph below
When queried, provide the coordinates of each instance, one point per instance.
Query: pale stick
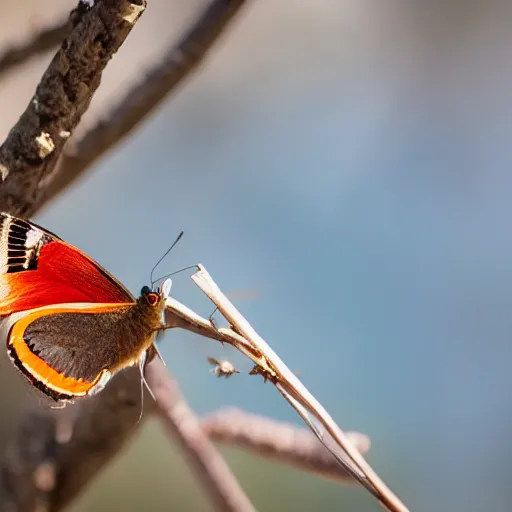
(272, 367)
(243, 337)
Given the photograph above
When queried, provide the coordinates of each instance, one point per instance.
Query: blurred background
(342, 168)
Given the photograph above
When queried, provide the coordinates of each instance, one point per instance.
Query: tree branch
(281, 442)
(34, 144)
(182, 424)
(268, 364)
(41, 42)
(143, 98)
(57, 452)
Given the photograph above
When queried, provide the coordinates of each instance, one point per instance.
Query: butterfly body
(68, 324)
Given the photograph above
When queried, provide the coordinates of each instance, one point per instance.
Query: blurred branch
(40, 42)
(57, 452)
(29, 154)
(182, 424)
(181, 60)
(279, 441)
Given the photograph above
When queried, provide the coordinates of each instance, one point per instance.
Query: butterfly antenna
(161, 259)
(176, 272)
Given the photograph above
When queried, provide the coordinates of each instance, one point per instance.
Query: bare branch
(182, 424)
(41, 42)
(281, 442)
(244, 338)
(270, 365)
(141, 100)
(29, 154)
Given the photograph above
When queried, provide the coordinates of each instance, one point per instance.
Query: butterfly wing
(60, 312)
(71, 350)
(37, 269)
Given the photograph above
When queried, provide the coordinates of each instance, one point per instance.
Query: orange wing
(39, 269)
(70, 350)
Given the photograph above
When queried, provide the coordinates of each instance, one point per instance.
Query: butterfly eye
(152, 298)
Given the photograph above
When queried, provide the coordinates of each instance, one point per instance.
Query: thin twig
(281, 442)
(182, 423)
(29, 154)
(139, 102)
(40, 42)
(272, 367)
(243, 337)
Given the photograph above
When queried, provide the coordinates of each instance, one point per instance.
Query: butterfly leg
(153, 351)
(142, 368)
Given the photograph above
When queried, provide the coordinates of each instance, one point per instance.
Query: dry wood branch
(245, 339)
(281, 442)
(41, 42)
(272, 367)
(182, 424)
(29, 154)
(142, 99)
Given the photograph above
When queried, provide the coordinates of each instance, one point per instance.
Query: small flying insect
(222, 368)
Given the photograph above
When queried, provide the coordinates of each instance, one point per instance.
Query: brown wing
(65, 350)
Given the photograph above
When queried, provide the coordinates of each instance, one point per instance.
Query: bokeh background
(344, 167)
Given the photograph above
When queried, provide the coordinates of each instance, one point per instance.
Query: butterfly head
(154, 297)
(151, 297)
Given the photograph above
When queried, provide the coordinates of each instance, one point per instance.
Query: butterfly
(69, 325)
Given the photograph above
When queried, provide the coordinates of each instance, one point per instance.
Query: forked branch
(267, 363)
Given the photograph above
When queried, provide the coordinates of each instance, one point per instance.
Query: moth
(222, 368)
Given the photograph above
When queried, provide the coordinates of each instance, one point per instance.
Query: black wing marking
(20, 243)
